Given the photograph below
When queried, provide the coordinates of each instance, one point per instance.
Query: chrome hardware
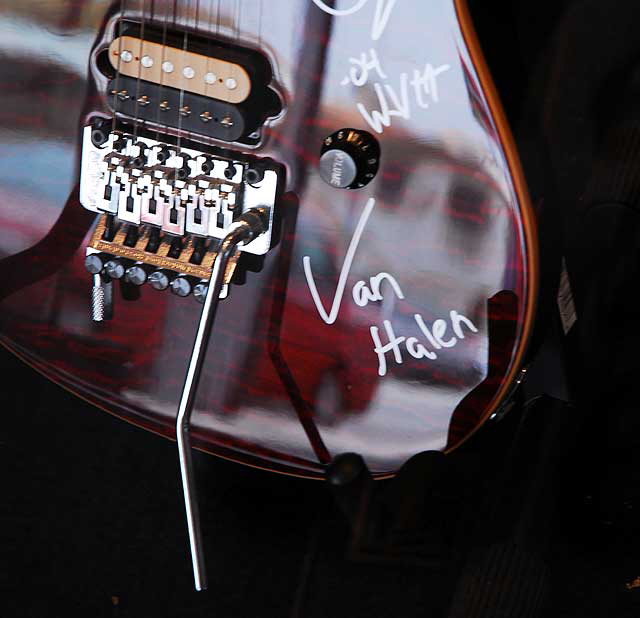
(158, 280)
(181, 286)
(101, 298)
(144, 181)
(115, 269)
(251, 225)
(200, 292)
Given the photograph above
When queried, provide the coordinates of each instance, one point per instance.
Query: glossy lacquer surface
(293, 378)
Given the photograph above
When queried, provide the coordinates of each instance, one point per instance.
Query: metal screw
(136, 275)
(114, 269)
(200, 292)
(158, 280)
(93, 263)
(181, 286)
(229, 171)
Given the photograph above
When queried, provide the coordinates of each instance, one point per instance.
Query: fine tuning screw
(158, 280)
(114, 269)
(94, 263)
(136, 275)
(181, 286)
(200, 291)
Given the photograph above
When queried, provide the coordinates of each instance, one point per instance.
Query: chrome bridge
(165, 211)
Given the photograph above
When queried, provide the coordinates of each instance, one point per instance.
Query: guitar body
(385, 320)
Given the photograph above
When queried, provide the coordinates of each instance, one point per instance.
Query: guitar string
(163, 59)
(138, 59)
(196, 200)
(237, 41)
(116, 82)
(208, 67)
(137, 56)
(260, 39)
(191, 21)
(185, 39)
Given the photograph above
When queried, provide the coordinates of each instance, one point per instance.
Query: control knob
(349, 159)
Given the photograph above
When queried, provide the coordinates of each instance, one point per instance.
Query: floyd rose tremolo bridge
(173, 218)
(164, 211)
(173, 214)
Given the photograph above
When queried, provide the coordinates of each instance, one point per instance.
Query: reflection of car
(324, 361)
(335, 367)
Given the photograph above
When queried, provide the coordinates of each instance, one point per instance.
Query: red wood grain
(282, 389)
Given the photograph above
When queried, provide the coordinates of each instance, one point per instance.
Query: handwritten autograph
(380, 19)
(437, 336)
(418, 87)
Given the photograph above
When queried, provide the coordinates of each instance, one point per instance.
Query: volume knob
(349, 159)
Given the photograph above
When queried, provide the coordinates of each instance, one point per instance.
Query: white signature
(419, 87)
(380, 18)
(394, 97)
(363, 294)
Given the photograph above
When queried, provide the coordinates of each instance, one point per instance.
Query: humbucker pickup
(181, 69)
(189, 83)
(184, 110)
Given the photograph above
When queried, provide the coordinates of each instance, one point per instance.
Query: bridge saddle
(165, 209)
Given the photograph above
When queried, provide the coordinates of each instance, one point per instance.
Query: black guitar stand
(401, 523)
(494, 542)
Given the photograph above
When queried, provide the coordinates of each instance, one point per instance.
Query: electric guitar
(382, 293)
